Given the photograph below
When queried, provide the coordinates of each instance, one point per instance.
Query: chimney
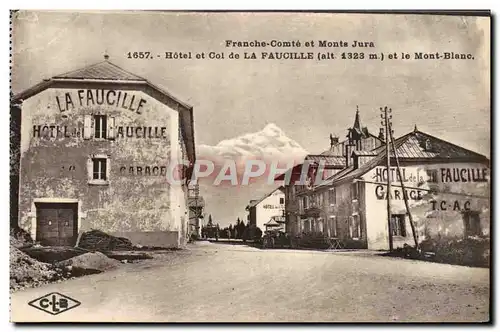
(381, 135)
(334, 140)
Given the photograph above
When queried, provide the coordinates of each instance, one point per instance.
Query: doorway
(56, 223)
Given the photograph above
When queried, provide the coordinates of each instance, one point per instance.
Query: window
(332, 227)
(305, 225)
(354, 190)
(282, 200)
(428, 145)
(331, 196)
(98, 169)
(432, 175)
(398, 225)
(100, 126)
(354, 227)
(472, 223)
(306, 202)
(319, 225)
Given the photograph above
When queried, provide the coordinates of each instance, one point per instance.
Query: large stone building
(100, 149)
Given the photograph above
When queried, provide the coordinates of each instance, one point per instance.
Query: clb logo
(54, 303)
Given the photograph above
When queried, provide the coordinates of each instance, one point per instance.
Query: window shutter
(108, 168)
(90, 169)
(87, 126)
(111, 127)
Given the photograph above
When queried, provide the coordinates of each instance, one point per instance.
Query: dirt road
(235, 283)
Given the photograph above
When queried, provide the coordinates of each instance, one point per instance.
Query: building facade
(104, 149)
(446, 186)
(332, 161)
(263, 210)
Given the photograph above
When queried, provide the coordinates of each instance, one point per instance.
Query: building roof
(275, 221)
(255, 202)
(104, 70)
(332, 161)
(336, 176)
(330, 151)
(102, 75)
(357, 121)
(412, 147)
(364, 153)
(294, 171)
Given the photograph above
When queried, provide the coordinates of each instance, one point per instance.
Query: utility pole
(386, 117)
(405, 196)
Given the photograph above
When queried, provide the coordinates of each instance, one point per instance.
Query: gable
(108, 76)
(103, 71)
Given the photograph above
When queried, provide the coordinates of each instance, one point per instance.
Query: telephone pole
(405, 196)
(386, 117)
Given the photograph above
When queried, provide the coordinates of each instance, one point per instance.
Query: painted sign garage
(95, 155)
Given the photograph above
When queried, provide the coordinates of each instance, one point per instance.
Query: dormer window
(428, 145)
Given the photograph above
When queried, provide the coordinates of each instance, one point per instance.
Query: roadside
(211, 282)
(33, 265)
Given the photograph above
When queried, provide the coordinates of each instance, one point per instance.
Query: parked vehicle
(275, 239)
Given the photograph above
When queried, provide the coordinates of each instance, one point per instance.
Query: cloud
(269, 144)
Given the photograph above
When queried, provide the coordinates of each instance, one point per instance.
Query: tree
(240, 229)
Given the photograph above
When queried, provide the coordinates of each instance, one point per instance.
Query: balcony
(196, 201)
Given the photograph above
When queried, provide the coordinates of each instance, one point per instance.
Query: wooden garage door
(56, 224)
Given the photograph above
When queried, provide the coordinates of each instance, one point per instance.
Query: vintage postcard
(250, 166)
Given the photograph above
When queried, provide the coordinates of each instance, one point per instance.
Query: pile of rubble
(28, 272)
(32, 265)
(89, 263)
(98, 240)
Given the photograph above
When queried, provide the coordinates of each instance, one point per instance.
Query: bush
(257, 234)
(470, 251)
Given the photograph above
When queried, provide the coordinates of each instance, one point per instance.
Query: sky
(305, 99)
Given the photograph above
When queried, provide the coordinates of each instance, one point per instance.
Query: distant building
(271, 205)
(275, 223)
(335, 159)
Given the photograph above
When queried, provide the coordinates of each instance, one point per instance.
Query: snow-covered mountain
(227, 202)
(271, 143)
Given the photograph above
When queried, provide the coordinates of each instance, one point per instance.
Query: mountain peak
(272, 129)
